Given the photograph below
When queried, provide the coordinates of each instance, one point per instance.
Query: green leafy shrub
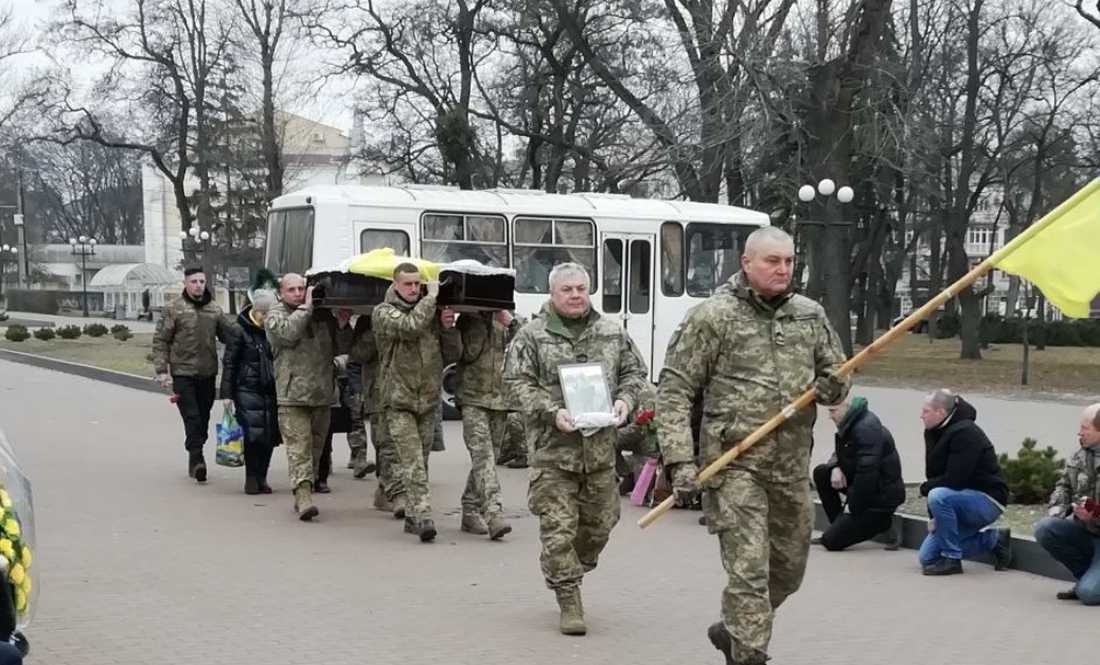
(95, 330)
(17, 333)
(122, 334)
(118, 326)
(44, 334)
(69, 332)
(1032, 474)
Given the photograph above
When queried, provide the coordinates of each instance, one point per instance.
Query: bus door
(626, 291)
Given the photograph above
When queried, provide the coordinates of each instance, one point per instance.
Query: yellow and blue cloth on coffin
(381, 263)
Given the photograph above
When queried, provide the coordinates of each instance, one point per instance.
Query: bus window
(672, 259)
(290, 241)
(398, 241)
(447, 238)
(612, 276)
(713, 255)
(541, 243)
(640, 270)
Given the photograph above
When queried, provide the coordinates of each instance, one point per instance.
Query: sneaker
(944, 567)
(1002, 551)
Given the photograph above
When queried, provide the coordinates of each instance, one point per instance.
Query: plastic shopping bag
(230, 442)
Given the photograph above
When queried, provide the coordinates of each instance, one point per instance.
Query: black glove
(829, 389)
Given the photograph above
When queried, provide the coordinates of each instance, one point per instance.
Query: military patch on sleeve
(395, 314)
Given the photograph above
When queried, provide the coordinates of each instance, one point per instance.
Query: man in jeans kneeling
(1071, 534)
(966, 489)
(865, 467)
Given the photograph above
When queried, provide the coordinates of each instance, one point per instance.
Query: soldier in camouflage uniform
(389, 496)
(573, 489)
(1071, 532)
(185, 355)
(414, 342)
(481, 396)
(751, 349)
(357, 437)
(513, 447)
(305, 343)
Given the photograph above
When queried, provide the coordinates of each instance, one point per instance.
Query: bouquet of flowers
(646, 421)
(16, 537)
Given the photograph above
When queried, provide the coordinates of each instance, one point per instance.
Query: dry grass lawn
(915, 362)
(105, 352)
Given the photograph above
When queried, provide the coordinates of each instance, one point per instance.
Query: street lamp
(83, 247)
(198, 242)
(8, 254)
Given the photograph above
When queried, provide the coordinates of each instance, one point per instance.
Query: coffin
(360, 283)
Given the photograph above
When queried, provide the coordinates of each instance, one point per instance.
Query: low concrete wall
(1027, 555)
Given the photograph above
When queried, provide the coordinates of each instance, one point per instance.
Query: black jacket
(959, 456)
(248, 378)
(866, 453)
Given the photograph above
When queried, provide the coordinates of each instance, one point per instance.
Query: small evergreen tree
(1032, 474)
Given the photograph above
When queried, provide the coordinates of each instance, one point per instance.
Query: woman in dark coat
(248, 386)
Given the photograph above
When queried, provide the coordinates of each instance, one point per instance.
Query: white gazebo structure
(124, 285)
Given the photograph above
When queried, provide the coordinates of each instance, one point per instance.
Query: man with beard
(185, 355)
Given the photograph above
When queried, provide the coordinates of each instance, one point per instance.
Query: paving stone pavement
(141, 566)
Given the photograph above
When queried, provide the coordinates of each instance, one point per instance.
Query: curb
(144, 383)
(1027, 555)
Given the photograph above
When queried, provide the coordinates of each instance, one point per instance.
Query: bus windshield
(289, 241)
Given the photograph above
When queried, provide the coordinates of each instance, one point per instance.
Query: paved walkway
(141, 566)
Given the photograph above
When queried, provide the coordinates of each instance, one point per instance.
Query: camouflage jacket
(413, 347)
(305, 345)
(1079, 478)
(364, 351)
(749, 359)
(531, 373)
(631, 436)
(480, 370)
(186, 341)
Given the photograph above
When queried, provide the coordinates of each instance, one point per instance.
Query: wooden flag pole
(889, 337)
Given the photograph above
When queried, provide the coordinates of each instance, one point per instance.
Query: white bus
(650, 260)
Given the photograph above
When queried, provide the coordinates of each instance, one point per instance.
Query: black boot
(944, 567)
(251, 485)
(196, 466)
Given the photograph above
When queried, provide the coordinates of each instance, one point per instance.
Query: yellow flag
(1060, 253)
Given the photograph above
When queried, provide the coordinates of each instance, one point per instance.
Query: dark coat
(866, 453)
(959, 456)
(248, 378)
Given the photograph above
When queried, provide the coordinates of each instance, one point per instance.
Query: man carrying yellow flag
(1060, 253)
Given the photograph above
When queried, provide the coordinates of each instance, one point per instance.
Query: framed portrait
(584, 388)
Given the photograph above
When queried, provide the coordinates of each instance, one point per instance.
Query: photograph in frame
(584, 388)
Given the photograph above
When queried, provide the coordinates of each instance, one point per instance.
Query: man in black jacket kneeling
(966, 489)
(866, 468)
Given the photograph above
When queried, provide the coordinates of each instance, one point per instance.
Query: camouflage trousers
(513, 445)
(388, 467)
(482, 429)
(357, 437)
(576, 513)
(764, 533)
(412, 435)
(304, 429)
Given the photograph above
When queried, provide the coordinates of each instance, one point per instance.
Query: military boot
(399, 507)
(303, 502)
(498, 527)
(722, 640)
(380, 500)
(362, 466)
(517, 463)
(425, 529)
(572, 612)
(474, 523)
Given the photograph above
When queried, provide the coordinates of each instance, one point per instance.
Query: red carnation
(174, 398)
(1092, 506)
(644, 417)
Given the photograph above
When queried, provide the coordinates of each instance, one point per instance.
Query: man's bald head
(1089, 433)
(292, 289)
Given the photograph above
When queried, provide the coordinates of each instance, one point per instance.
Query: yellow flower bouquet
(16, 540)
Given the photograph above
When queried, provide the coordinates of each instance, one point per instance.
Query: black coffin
(346, 290)
(465, 292)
